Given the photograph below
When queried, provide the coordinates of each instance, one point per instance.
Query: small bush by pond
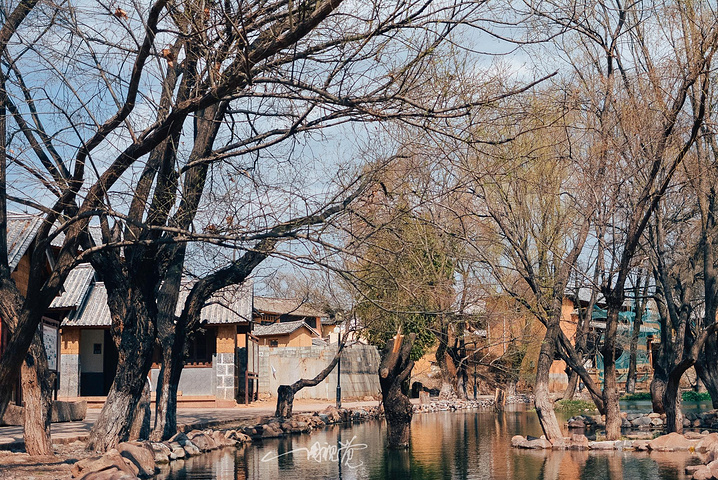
(637, 396)
(691, 396)
(688, 396)
(574, 406)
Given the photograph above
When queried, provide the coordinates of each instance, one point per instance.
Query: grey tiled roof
(285, 306)
(584, 295)
(94, 311)
(281, 328)
(224, 308)
(229, 305)
(94, 230)
(75, 287)
(21, 231)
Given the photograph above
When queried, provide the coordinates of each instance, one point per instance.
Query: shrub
(574, 405)
(637, 396)
(691, 396)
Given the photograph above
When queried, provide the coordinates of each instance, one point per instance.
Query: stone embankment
(636, 426)
(647, 421)
(452, 405)
(457, 404)
(139, 459)
(704, 445)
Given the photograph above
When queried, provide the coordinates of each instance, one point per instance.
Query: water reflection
(471, 445)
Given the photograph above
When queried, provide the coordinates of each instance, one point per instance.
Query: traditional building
(286, 334)
(21, 232)
(269, 310)
(220, 368)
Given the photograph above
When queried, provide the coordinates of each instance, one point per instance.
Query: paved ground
(12, 437)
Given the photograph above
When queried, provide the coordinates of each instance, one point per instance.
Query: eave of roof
(221, 311)
(282, 328)
(75, 287)
(285, 306)
(21, 232)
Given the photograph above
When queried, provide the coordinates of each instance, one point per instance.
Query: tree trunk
(572, 359)
(658, 390)
(37, 384)
(445, 361)
(572, 384)
(135, 348)
(140, 428)
(166, 398)
(631, 375)
(499, 400)
(171, 333)
(707, 368)
(672, 402)
(610, 385)
(671, 397)
(633, 352)
(16, 350)
(285, 393)
(398, 412)
(542, 400)
(637, 322)
(394, 371)
(113, 425)
(285, 401)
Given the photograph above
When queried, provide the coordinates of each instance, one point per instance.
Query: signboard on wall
(50, 339)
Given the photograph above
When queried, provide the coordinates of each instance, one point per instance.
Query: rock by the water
(603, 445)
(142, 455)
(110, 460)
(112, 473)
(162, 452)
(672, 442)
(706, 472)
(203, 441)
(576, 442)
(536, 444)
(640, 445)
(577, 423)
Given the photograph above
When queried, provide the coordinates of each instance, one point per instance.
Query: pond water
(444, 445)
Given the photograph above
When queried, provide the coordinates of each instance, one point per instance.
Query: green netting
(649, 327)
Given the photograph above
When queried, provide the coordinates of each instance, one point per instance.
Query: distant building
(504, 321)
(286, 334)
(269, 310)
(221, 352)
(649, 334)
(22, 230)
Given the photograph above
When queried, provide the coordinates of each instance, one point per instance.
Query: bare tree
(137, 131)
(617, 58)
(539, 234)
(685, 271)
(394, 371)
(285, 393)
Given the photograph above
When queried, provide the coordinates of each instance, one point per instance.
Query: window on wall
(201, 347)
(273, 343)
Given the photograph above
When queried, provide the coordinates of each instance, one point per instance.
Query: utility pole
(339, 382)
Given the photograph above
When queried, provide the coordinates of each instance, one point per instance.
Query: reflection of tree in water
(451, 445)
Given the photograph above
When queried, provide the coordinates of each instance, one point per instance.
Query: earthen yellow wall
(300, 338)
(505, 320)
(569, 324)
(226, 338)
(327, 329)
(281, 340)
(70, 341)
(22, 274)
